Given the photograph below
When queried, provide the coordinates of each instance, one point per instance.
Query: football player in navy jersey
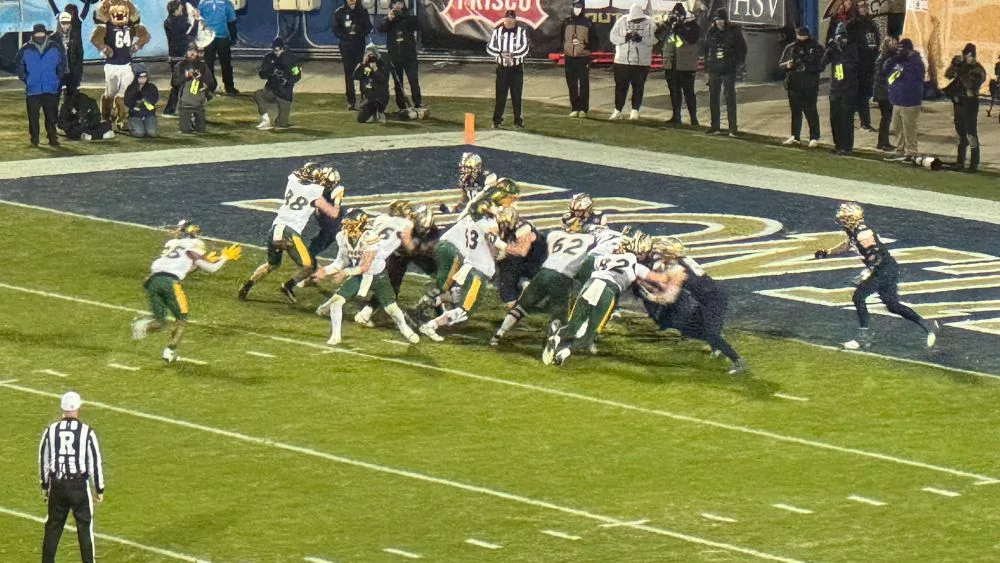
(118, 36)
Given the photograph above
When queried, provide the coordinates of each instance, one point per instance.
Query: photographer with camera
(633, 36)
(140, 98)
(196, 84)
(351, 24)
(967, 77)
(802, 63)
(680, 34)
(280, 69)
(373, 75)
(400, 29)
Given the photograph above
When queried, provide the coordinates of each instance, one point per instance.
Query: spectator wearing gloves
(180, 31)
(41, 64)
(220, 17)
(967, 77)
(508, 46)
(140, 98)
(886, 55)
(72, 46)
(400, 29)
(844, 60)
(802, 62)
(351, 24)
(195, 82)
(578, 33)
(725, 53)
(680, 34)
(80, 118)
(906, 94)
(633, 36)
(280, 68)
(373, 76)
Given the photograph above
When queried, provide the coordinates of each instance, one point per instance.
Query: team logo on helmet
(490, 12)
(354, 224)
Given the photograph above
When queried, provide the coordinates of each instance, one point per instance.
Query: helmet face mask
(307, 172)
(850, 215)
(582, 205)
(354, 225)
(572, 223)
(507, 218)
(187, 229)
(401, 208)
(470, 166)
(423, 218)
(326, 176)
(505, 192)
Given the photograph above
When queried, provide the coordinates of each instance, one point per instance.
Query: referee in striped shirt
(509, 46)
(68, 457)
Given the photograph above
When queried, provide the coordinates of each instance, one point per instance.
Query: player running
(362, 249)
(880, 275)
(304, 194)
(181, 255)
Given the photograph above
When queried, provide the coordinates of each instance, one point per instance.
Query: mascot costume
(118, 35)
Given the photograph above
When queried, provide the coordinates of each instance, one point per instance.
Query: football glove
(820, 254)
(233, 252)
(212, 256)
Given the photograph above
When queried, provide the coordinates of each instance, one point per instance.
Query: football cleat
(288, 289)
(495, 340)
(245, 290)
(592, 349)
(856, 345)
(933, 329)
(429, 330)
(140, 328)
(362, 320)
(411, 337)
(552, 343)
(561, 356)
(738, 367)
(324, 308)
(333, 341)
(169, 355)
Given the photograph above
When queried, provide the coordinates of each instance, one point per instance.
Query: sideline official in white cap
(68, 458)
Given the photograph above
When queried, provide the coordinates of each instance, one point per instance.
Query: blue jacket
(218, 14)
(41, 67)
(906, 80)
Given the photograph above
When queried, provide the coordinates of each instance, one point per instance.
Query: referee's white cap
(71, 401)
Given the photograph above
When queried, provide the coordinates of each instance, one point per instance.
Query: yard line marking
(260, 354)
(562, 535)
(480, 543)
(396, 342)
(316, 560)
(606, 521)
(791, 508)
(990, 482)
(402, 553)
(717, 518)
(551, 391)
(791, 397)
(465, 337)
(942, 492)
(8, 381)
(122, 366)
(113, 539)
(192, 361)
(51, 372)
(866, 500)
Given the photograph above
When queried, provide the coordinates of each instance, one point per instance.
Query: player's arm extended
(331, 210)
(211, 266)
(662, 287)
(522, 244)
(841, 248)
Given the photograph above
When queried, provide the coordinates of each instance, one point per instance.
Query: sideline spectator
(220, 17)
(725, 54)
(577, 35)
(280, 69)
(180, 31)
(80, 118)
(845, 12)
(883, 64)
(967, 77)
(633, 36)
(72, 45)
(802, 62)
(351, 24)
(140, 98)
(373, 76)
(842, 56)
(195, 82)
(906, 94)
(508, 45)
(40, 63)
(864, 33)
(400, 29)
(680, 34)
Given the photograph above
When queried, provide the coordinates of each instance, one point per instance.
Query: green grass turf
(232, 121)
(462, 412)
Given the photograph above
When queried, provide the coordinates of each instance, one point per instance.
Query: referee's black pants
(510, 79)
(65, 495)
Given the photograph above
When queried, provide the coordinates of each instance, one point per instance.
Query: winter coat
(374, 83)
(400, 37)
(807, 59)
(78, 114)
(966, 80)
(882, 68)
(72, 46)
(844, 66)
(180, 33)
(634, 36)
(281, 74)
(578, 36)
(41, 67)
(192, 95)
(863, 32)
(906, 80)
(680, 45)
(218, 14)
(725, 51)
(352, 28)
(136, 99)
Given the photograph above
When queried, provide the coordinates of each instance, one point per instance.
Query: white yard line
(483, 544)
(717, 518)
(401, 553)
(8, 381)
(112, 539)
(192, 361)
(791, 508)
(990, 482)
(396, 342)
(791, 397)
(942, 492)
(51, 372)
(260, 354)
(866, 500)
(606, 521)
(124, 367)
(316, 560)
(551, 391)
(561, 535)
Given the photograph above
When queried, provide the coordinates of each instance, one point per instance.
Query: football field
(267, 445)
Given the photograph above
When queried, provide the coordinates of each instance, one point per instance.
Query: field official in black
(400, 29)
(508, 45)
(967, 77)
(864, 34)
(842, 56)
(680, 34)
(351, 25)
(725, 53)
(68, 457)
(577, 35)
(802, 63)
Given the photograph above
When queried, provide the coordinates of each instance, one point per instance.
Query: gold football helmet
(354, 224)
(670, 248)
(470, 165)
(401, 208)
(507, 219)
(327, 176)
(505, 192)
(572, 223)
(307, 171)
(423, 218)
(187, 229)
(850, 214)
(638, 243)
(582, 205)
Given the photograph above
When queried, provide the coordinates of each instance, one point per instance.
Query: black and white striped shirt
(508, 46)
(69, 449)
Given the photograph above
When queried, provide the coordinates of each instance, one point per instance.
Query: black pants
(842, 122)
(72, 79)
(681, 86)
(695, 320)
(175, 91)
(510, 79)
(370, 109)
(510, 272)
(66, 495)
(409, 69)
(633, 76)
(967, 127)
(328, 229)
(719, 84)
(866, 88)
(885, 110)
(221, 46)
(578, 81)
(884, 281)
(803, 102)
(351, 60)
(49, 103)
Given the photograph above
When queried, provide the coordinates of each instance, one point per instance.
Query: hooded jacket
(72, 44)
(906, 79)
(966, 79)
(374, 83)
(351, 28)
(78, 114)
(862, 32)
(807, 59)
(141, 100)
(578, 36)
(680, 44)
(844, 64)
(400, 38)
(41, 67)
(883, 67)
(193, 92)
(180, 33)
(281, 73)
(725, 49)
(633, 36)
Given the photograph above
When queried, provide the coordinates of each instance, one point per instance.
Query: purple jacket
(906, 81)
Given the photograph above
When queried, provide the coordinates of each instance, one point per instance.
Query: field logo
(491, 12)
